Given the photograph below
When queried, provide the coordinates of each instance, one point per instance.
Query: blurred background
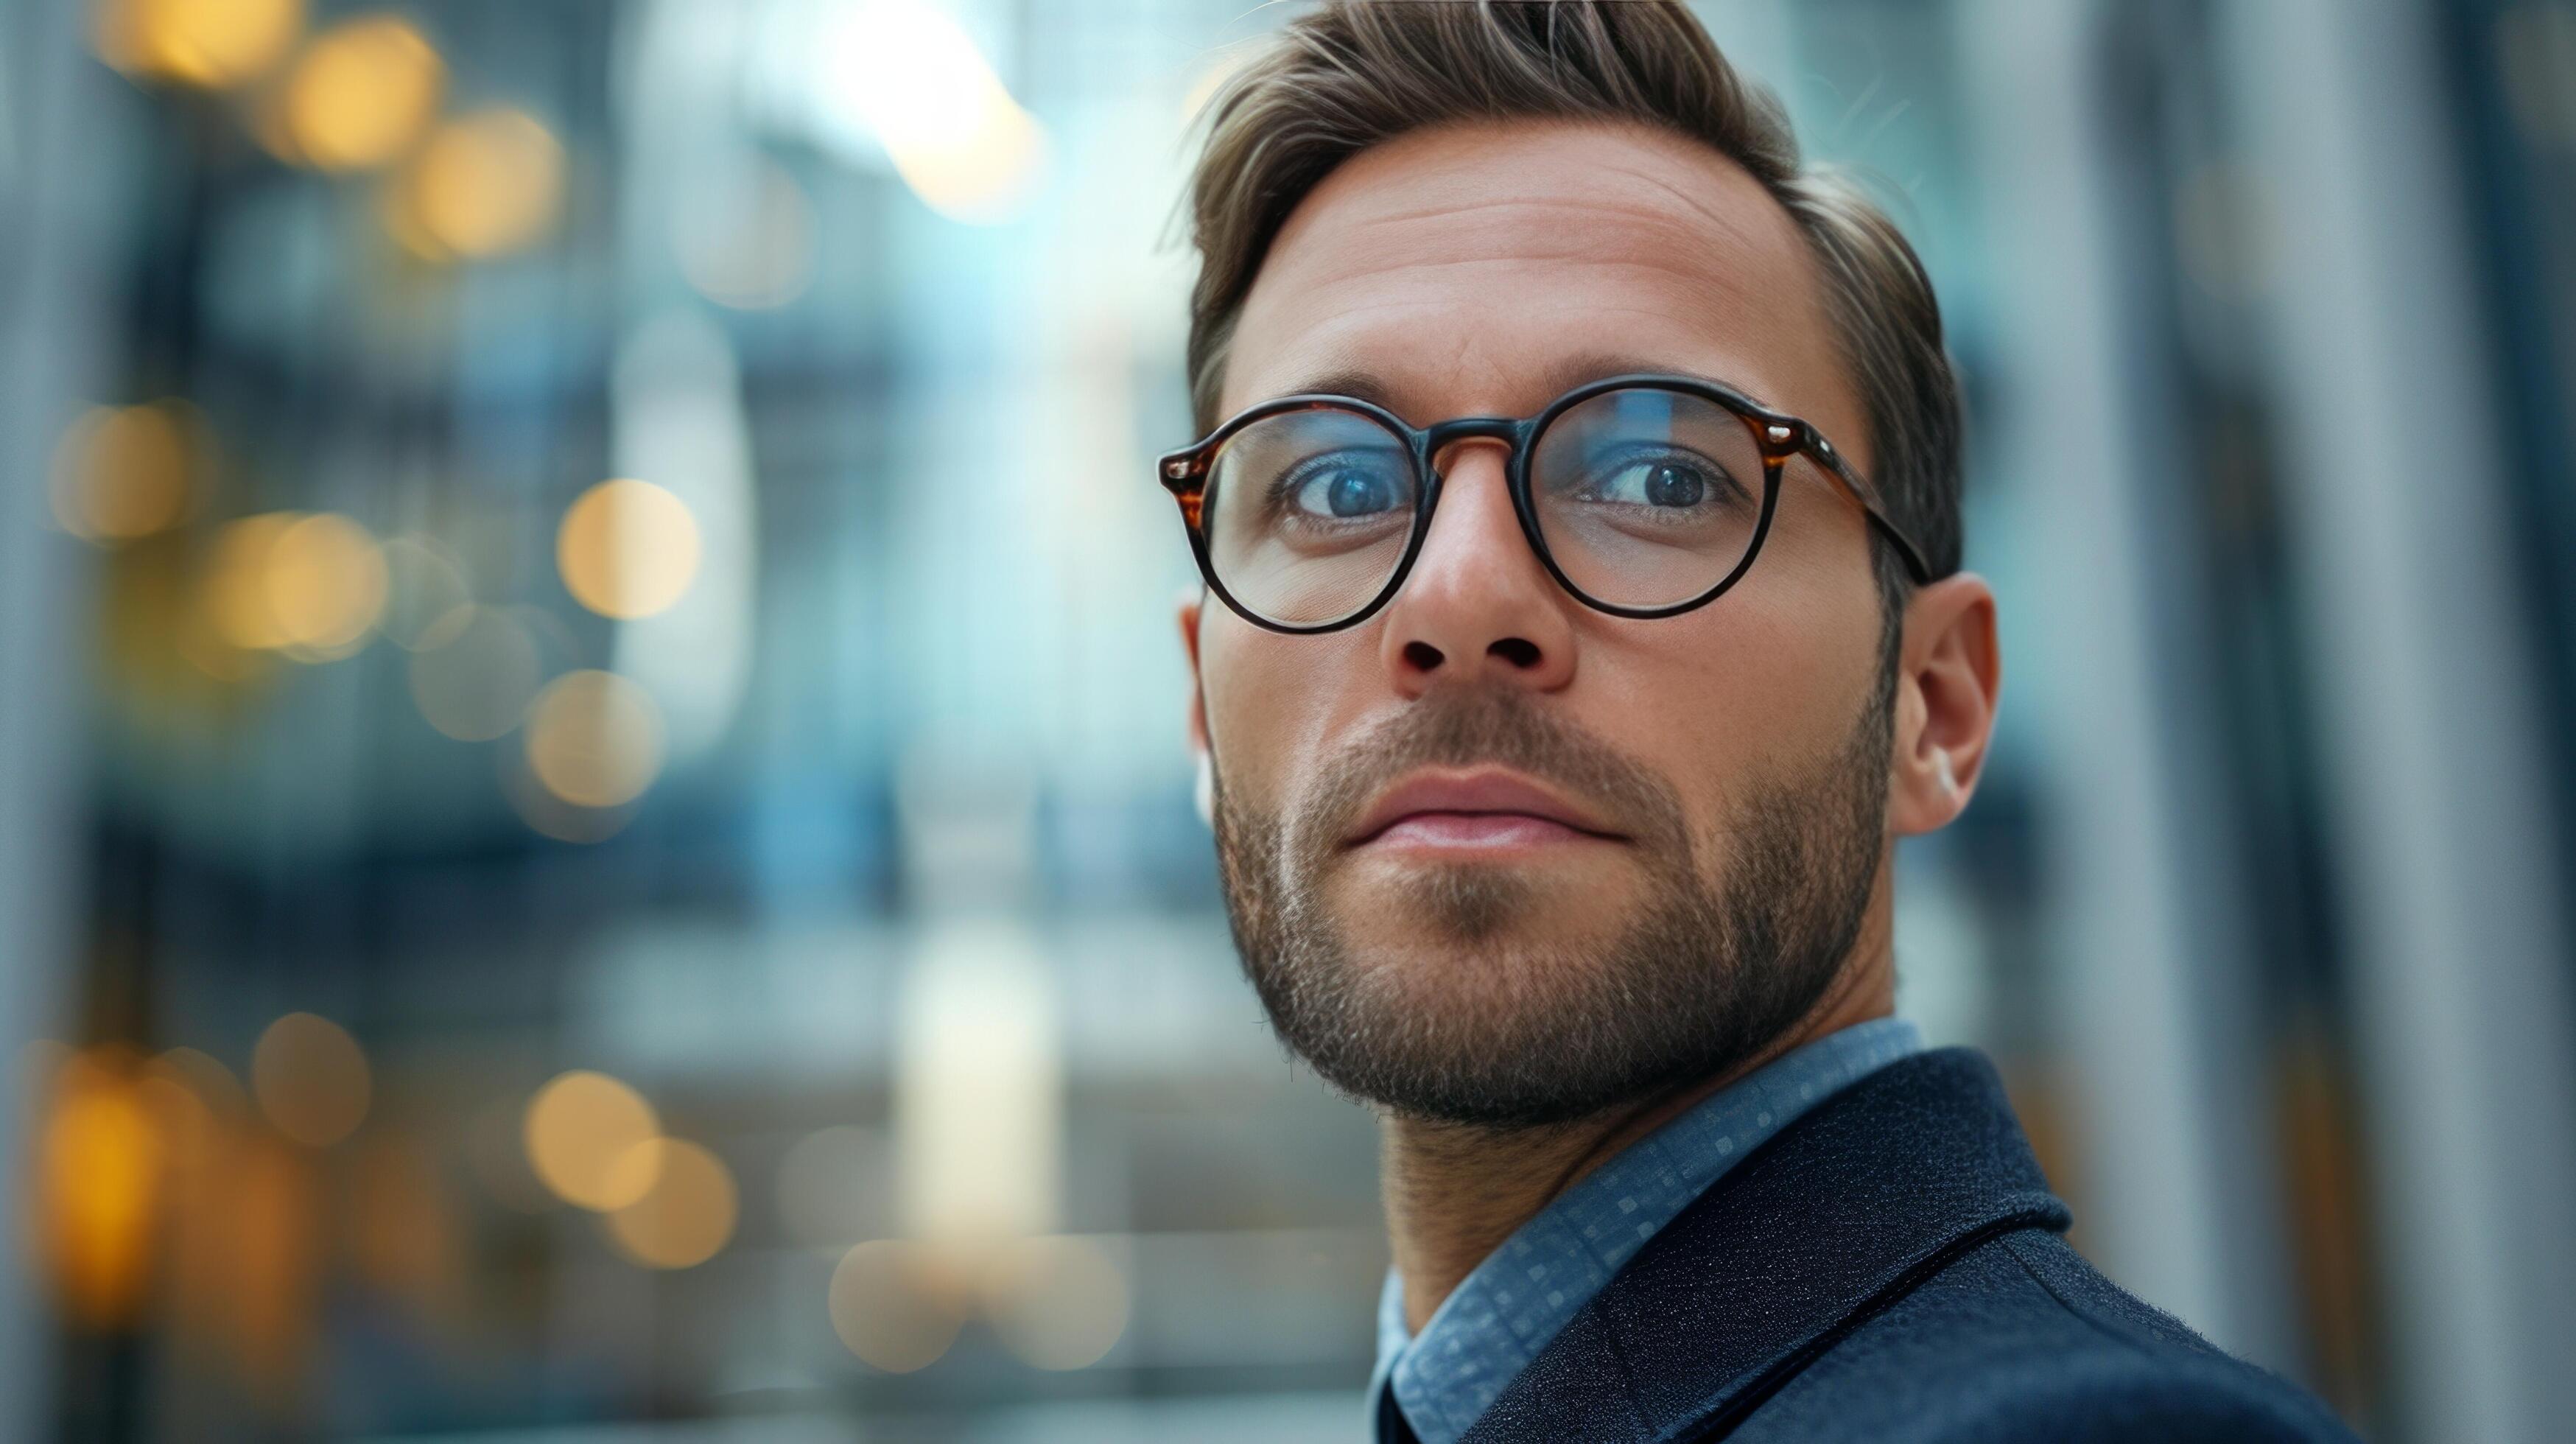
(593, 835)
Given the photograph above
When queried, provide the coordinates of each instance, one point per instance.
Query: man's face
(1494, 856)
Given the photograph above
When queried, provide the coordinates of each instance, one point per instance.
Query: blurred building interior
(594, 840)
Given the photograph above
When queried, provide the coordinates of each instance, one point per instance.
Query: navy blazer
(1889, 1267)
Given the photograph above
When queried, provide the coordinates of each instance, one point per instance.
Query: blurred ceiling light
(212, 43)
(311, 1079)
(627, 549)
(978, 1086)
(905, 73)
(122, 472)
(99, 1161)
(578, 1131)
(422, 587)
(474, 673)
(1057, 1303)
(685, 1215)
(594, 739)
(326, 586)
(484, 185)
(361, 93)
(745, 238)
(893, 1305)
(676, 410)
(825, 1183)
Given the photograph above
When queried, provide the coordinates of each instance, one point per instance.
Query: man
(1555, 753)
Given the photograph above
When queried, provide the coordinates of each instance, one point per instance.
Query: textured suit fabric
(1888, 1268)
(1509, 1306)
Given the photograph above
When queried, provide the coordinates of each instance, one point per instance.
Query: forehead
(1478, 268)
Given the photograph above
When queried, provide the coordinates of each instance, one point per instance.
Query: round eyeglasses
(1644, 496)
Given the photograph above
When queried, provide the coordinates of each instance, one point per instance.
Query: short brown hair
(1355, 73)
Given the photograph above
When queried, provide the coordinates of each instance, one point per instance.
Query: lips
(1489, 793)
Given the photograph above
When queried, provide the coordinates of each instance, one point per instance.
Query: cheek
(1273, 701)
(1765, 680)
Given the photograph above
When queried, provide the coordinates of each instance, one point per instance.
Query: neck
(1454, 1192)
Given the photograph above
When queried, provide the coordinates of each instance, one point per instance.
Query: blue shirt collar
(1512, 1304)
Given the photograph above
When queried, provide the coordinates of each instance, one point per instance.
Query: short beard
(1702, 979)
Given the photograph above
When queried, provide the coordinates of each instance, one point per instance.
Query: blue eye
(1654, 483)
(1345, 490)
(1670, 483)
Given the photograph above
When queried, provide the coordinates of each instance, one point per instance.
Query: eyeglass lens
(1645, 498)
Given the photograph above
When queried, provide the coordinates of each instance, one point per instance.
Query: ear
(1949, 673)
(1195, 727)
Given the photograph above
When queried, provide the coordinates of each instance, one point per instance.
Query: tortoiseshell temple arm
(1906, 550)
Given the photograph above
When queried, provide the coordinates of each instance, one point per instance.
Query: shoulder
(2020, 1338)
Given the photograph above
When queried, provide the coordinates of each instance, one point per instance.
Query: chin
(1442, 911)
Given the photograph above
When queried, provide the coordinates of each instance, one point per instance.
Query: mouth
(1480, 809)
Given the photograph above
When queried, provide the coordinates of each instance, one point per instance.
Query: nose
(1478, 605)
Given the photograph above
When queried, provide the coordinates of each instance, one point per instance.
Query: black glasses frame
(1776, 434)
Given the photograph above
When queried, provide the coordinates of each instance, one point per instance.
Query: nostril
(1422, 656)
(1518, 651)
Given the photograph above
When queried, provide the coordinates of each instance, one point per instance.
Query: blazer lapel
(1869, 1194)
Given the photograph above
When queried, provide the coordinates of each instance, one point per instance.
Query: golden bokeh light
(123, 472)
(551, 816)
(484, 185)
(100, 1155)
(684, 1216)
(1057, 1303)
(594, 739)
(361, 94)
(627, 549)
(983, 174)
(896, 1305)
(311, 586)
(212, 43)
(475, 672)
(205, 1078)
(326, 585)
(311, 1079)
(580, 1129)
(237, 581)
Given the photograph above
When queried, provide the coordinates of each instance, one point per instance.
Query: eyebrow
(1561, 377)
